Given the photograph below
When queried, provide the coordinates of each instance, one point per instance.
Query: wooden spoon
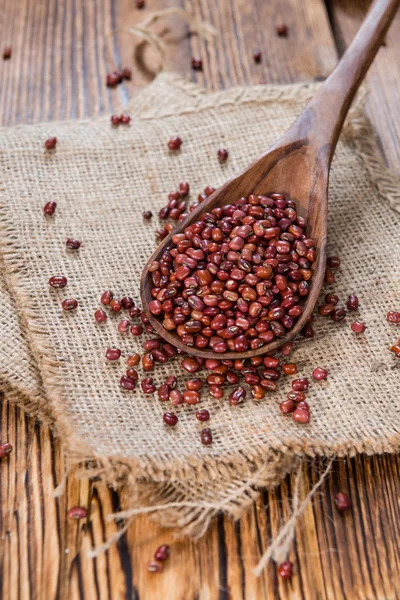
(297, 165)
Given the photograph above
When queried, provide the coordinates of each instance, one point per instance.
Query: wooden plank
(61, 53)
(384, 97)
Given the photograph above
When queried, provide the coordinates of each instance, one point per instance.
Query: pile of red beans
(234, 279)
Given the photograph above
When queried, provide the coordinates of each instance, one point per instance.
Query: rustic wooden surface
(61, 53)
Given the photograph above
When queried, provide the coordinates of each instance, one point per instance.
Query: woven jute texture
(102, 179)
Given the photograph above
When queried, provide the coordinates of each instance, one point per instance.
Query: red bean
(136, 330)
(285, 569)
(163, 392)
(148, 362)
(257, 55)
(170, 419)
(175, 397)
(69, 304)
(319, 374)
(197, 63)
(152, 344)
(268, 385)
(352, 302)
(289, 368)
(232, 378)
(72, 244)
(114, 78)
(342, 501)
(106, 297)
(307, 331)
(339, 314)
(155, 307)
(194, 384)
(162, 553)
(271, 362)
(237, 395)
(393, 317)
(100, 316)
(113, 353)
(153, 566)
(50, 207)
(159, 356)
(222, 155)
(271, 374)
(326, 309)
(329, 276)
(175, 143)
(128, 383)
(131, 372)
(301, 416)
(58, 281)
(190, 365)
(333, 262)
(115, 305)
(77, 512)
(171, 382)
(51, 143)
(287, 348)
(191, 397)
(257, 391)
(300, 385)
(184, 188)
(202, 415)
(206, 437)
(287, 406)
(133, 360)
(7, 51)
(281, 29)
(331, 299)
(5, 449)
(127, 302)
(123, 326)
(296, 396)
(303, 406)
(396, 349)
(148, 386)
(358, 327)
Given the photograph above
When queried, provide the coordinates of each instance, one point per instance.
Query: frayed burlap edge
(117, 471)
(33, 405)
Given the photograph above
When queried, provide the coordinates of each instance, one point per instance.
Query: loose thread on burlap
(60, 489)
(278, 549)
(130, 514)
(143, 30)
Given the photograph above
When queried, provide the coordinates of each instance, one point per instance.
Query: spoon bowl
(297, 165)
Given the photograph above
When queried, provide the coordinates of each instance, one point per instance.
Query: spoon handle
(322, 120)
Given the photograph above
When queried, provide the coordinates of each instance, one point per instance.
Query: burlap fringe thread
(278, 549)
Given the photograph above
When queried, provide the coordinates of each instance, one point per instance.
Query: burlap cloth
(53, 363)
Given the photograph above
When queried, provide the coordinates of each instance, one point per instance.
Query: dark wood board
(61, 53)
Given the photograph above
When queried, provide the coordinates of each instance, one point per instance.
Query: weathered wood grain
(383, 78)
(61, 53)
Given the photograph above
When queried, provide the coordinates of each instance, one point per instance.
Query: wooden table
(62, 50)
